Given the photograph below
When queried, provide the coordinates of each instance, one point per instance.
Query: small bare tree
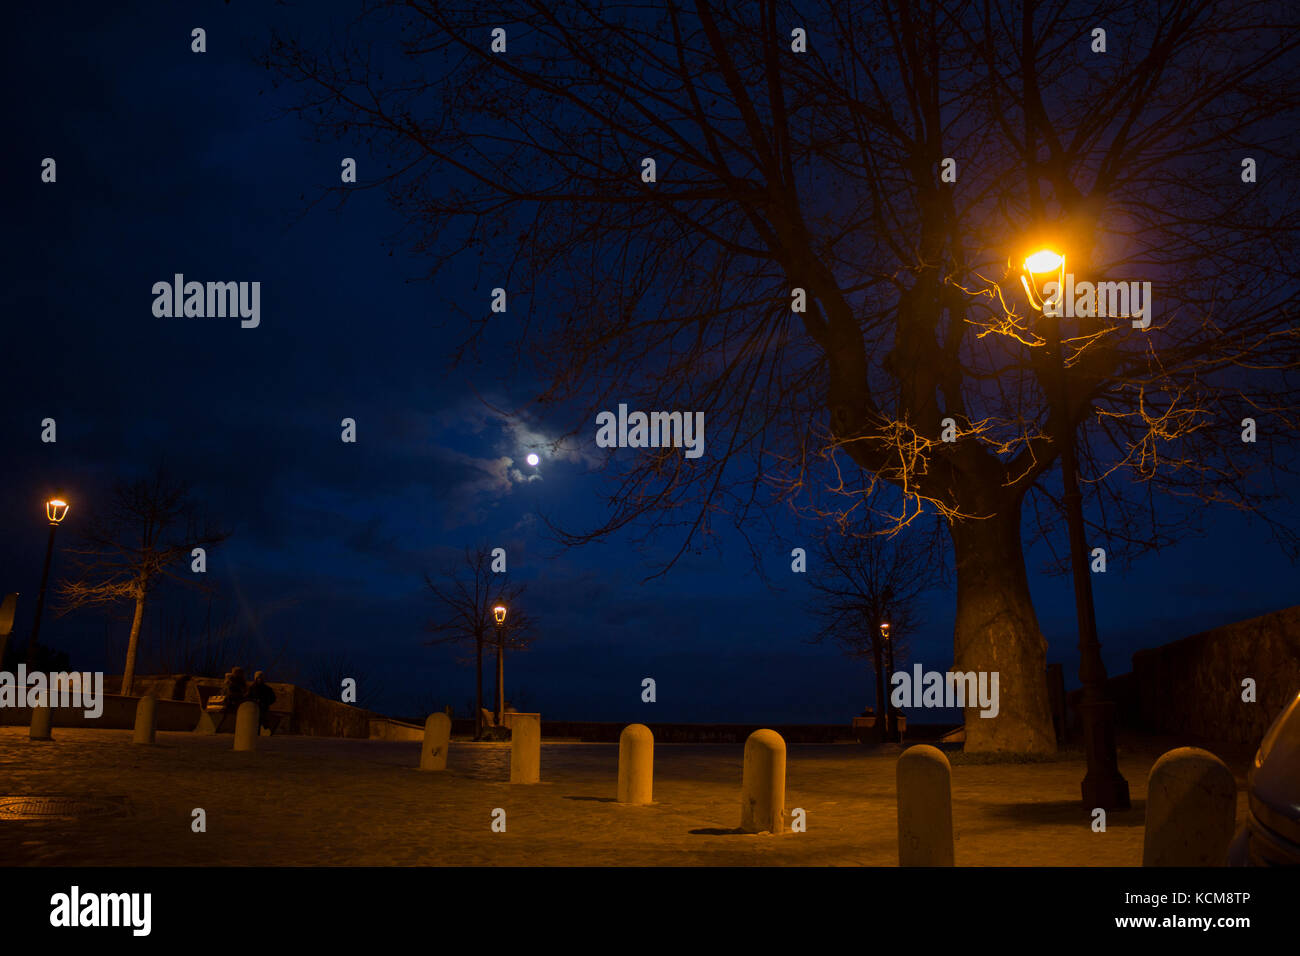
(862, 580)
(466, 595)
(331, 669)
(124, 552)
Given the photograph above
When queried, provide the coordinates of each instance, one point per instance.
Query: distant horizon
(927, 716)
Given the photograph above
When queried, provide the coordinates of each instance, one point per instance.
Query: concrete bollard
(924, 779)
(1191, 810)
(437, 742)
(525, 748)
(636, 764)
(762, 800)
(146, 720)
(247, 719)
(42, 720)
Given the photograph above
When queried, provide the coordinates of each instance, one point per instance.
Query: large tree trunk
(133, 646)
(997, 630)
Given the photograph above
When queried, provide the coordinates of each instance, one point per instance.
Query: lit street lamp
(1103, 785)
(499, 614)
(56, 509)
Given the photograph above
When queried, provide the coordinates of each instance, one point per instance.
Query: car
(1271, 834)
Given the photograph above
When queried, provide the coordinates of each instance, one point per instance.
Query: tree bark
(133, 647)
(997, 631)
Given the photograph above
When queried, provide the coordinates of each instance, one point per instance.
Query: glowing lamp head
(1044, 261)
(884, 629)
(499, 613)
(56, 509)
(533, 460)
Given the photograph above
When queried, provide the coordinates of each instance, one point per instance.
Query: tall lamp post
(56, 509)
(890, 718)
(478, 702)
(499, 614)
(1103, 785)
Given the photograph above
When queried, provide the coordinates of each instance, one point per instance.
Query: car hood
(1275, 777)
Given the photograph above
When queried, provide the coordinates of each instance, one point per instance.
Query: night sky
(176, 162)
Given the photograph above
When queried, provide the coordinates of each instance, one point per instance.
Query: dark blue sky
(171, 161)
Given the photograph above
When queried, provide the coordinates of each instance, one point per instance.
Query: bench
(866, 731)
(491, 730)
(215, 718)
(510, 716)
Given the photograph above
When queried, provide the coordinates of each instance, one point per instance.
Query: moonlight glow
(532, 460)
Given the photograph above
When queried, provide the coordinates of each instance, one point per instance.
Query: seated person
(234, 687)
(260, 693)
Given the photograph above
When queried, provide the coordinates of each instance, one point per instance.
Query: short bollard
(146, 720)
(636, 764)
(437, 741)
(246, 720)
(924, 807)
(1191, 810)
(763, 786)
(42, 719)
(525, 748)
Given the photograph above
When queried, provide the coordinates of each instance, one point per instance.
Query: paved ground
(315, 801)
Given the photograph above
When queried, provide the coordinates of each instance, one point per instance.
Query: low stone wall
(1193, 686)
(385, 728)
(302, 711)
(590, 731)
(119, 714)
(317, 716)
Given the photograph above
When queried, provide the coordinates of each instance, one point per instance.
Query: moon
(532, 460)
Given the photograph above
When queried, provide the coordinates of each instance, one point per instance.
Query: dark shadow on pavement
(1057, 812)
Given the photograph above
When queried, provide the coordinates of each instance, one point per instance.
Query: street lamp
(56, 509)
(1103, 785)
(499, 614)
(890, 718)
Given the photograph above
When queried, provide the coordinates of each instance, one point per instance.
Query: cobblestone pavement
(307, 801)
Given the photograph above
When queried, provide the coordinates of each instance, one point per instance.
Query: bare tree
(827, 259)
(330, 670)
(465, 596)
(148, 528)
(859, 581)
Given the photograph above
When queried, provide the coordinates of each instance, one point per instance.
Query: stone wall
(303, 712)
(385, 728)
(590, 731)
(1193, 686)
(119, 714)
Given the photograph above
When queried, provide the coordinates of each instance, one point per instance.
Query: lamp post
(56, 509)
(890, 718)
(1103, 785)
(478, 702)
(499, 614)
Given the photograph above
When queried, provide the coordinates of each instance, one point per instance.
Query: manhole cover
(54, 808)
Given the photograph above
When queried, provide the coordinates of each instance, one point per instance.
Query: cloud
(516, 433)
